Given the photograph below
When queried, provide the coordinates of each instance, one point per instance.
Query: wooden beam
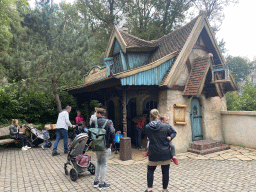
(214, 42)
(146, 67)
(177, 87)
(188, 65)
(203, 81)
(185, 52)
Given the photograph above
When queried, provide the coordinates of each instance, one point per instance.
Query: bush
(246, 101)
(31, 106)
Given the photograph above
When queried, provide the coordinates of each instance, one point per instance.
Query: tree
(239, 66)
(9, 23)
(149, 19)
(57, 39)
(9, 17)
(245, 101)
(214, 10)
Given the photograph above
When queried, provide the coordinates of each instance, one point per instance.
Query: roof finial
(125, 29)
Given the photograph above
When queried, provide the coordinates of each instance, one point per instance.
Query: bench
(6, 132)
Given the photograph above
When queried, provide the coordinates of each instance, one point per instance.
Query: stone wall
(239, 128)
(167, 99)
(211, 116)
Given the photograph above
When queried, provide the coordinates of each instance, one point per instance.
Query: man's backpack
(98, 137)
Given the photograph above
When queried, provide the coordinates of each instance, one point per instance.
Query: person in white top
(62, 129)
(93, 117)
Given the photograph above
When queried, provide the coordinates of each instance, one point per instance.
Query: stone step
(205, 144)
(208, 151)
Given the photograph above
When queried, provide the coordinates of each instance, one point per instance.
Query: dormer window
(220, 74)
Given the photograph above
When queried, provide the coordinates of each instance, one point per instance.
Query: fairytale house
(182, 74)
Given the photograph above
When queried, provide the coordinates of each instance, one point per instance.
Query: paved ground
(36, 170)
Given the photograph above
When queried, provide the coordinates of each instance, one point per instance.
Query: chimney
(124, 29)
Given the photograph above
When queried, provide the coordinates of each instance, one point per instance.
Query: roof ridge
(177, 30)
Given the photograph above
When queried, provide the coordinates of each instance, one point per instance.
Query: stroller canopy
(78, 145)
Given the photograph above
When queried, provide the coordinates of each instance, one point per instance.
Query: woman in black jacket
(16, 134)
(159, 148)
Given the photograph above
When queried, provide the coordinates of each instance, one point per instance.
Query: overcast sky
(238, 29)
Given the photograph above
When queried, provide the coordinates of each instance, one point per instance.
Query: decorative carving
(95, 73)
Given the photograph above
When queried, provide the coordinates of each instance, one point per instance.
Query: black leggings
(23, 139)
(165, 175)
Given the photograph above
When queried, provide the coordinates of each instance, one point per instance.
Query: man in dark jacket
(103, 156)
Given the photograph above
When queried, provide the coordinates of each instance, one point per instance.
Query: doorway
(111, 111)
(148, 106)
(196, 120)
(131, 113)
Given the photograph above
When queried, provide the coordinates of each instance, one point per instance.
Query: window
(117, 64)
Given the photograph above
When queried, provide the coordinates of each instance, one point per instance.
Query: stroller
(77, 159)
(35, 137)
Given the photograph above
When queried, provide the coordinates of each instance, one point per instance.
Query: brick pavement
(36, 170)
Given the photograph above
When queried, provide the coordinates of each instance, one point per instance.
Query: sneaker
(95, 184)
(104, 186)
(175, 161)
(66, 152)
(55, 153)
(24, 149)
(27, 147)
(43, 147)
(146, 154)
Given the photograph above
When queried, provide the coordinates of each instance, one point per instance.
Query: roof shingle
(132, 41)
(197, 75)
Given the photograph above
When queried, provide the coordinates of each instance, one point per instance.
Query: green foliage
(31, 105)
(239, 66)
(246, 101)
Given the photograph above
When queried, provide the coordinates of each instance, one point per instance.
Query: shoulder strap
(96, 123)
(103, 127)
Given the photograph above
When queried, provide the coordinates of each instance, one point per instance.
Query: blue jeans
(138, 137)
(64, 133)
(46, 143)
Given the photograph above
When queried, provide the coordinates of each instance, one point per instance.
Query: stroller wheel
(73, 174)
(91, 169)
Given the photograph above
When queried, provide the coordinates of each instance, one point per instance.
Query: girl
(16, 134)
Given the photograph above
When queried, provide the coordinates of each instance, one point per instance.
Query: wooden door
(196, 120)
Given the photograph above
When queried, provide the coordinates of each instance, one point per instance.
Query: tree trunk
(56, 93)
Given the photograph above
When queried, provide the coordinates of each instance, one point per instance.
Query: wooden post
(125, 142)
(124, 114)
(88, 113)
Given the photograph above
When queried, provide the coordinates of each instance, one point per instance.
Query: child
(164, 119)
(79, 118)
(117, 141)
(46, 138)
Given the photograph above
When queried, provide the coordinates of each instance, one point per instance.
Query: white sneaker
(27, 147)
(42, 147)
(24, 149)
